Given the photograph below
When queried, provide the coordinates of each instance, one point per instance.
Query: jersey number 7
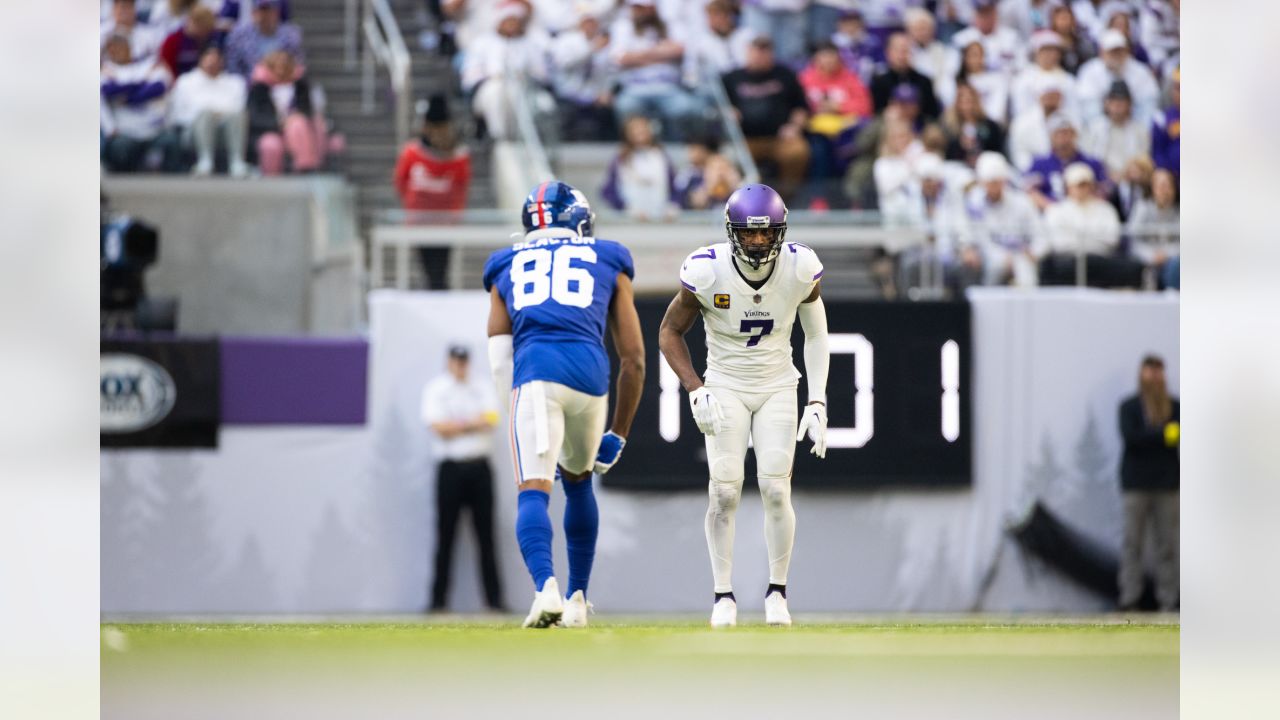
(765, 327)
(539, 274)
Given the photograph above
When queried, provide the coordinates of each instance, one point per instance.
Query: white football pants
(768, 420)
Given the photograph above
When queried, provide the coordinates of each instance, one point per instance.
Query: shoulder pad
(697, 272)
(807, 265)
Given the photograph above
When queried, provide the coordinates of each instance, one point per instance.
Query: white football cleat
(775, 610)
(576, 608)
(548, 606)
(724, 613)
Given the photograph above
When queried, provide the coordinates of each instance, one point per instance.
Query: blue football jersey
(557, 288)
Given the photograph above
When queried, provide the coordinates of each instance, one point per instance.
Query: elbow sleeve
(501, 363)
(817, 353)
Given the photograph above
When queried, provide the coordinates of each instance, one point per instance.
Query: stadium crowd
(1018, 132)
(196, 85)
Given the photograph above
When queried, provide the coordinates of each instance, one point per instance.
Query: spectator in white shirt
(144, 39)
(1116, 138)
(641, 178)
(1077, 47)
(1003, 47)
(582, 79)
(1026, 16)
(927, 201)
(1089, 16)
(992, 85)
(1158, 24)
(208, 104)
(1029, 132)
(930, 57)
(1153, 225)
(1003, 224)
(719, 48)
(1115, 63)
(1081, 225)
(649, 52)
(494, 62)
(1046, 55)
(895, 167)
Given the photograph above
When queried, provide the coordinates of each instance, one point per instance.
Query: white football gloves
(814, 422)
(707, 413)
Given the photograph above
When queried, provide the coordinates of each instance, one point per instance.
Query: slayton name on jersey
(748, 330)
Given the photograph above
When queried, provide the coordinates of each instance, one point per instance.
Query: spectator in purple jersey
(248, 44)
(1044, 179)
(859, 50)
(133, 112)
(1166, 130)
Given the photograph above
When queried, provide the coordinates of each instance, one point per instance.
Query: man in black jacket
(772, 110)
(1149, 422)
(898, 71)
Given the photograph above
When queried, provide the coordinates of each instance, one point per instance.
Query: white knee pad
(726, 484)
(775, 492)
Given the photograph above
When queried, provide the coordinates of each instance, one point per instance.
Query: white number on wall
(863, 386)
(950, 390)
(668, 401)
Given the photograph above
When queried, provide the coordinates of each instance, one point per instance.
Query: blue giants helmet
(755, 206)
(554, 204)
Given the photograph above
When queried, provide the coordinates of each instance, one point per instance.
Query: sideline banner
(159, 393)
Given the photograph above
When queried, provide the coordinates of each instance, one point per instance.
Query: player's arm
(628, 342)
(817, 363)
(680, 316)
(501, 352)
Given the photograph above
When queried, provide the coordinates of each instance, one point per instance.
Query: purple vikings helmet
(755, 206)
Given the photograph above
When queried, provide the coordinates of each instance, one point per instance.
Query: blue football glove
(610, 450)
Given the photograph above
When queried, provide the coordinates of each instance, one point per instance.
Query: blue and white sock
(533, 531)
(581, 526)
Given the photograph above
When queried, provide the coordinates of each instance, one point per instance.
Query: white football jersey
(749, 331)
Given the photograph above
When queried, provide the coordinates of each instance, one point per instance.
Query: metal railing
(521, 94)
(384, 45)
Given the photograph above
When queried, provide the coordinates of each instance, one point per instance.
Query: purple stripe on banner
(294, 381)
(688, 287)
(815, 277)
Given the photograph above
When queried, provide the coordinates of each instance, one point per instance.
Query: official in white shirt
(462, 413)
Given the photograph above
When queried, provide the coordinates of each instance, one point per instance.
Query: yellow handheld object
(1172, 434)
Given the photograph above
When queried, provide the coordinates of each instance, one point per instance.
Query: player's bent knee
(775, 492)
(727, 471)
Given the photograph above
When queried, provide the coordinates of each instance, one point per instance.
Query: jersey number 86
(540, 274)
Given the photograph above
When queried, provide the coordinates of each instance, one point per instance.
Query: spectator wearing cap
(1002, 223)
(1046, 62)
(860, 51)
(1029, 131)
(144, 38)
(250, 42)
(923, 199)
(1027, 17)
(1045, 179)
(1077, 47)
(898, 71)
(1097, 76)
(969, 131)
(1121, 16)
(783, 21)
(1084, 226)
(649, 53)
(933, 58)
(718, 48)
(181, 50)
(772, 110)
(1116, 138)
(207, 106)
(582, 79)
(1166, 130)
(992, 86)
(1002, 47)
(433, 175)
(133, 98)
(1150, 425)
(461, 413)
(493, 61)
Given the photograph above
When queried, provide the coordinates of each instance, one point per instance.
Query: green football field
(965, 667)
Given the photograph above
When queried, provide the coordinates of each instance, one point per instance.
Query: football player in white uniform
(749, 291)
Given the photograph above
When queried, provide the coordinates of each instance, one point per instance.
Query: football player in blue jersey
(552, 295)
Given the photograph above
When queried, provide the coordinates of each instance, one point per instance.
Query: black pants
(465, 484)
